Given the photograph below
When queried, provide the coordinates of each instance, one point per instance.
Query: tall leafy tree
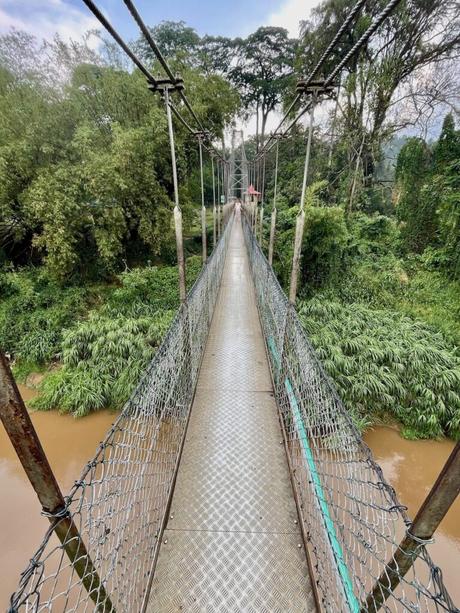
(387, 72)
(175, 39)
(85, 171)
(263, 71)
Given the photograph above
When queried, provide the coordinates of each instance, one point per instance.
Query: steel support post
(24, 438)
(434, 508)
(300, 223)
(177, 211)
(271, 243)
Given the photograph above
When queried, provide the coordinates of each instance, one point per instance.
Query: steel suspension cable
(150, 78)
(149, 38)
(329, 79)
(322, 59)
(364, 38)
(335, 40)
(108, 26)
(193, 132)
(146, 32)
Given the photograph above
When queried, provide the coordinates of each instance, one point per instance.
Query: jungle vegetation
(87, 278)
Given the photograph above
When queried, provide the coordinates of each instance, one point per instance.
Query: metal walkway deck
(232, 541)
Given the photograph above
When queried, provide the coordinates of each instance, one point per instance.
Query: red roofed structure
(252, 191)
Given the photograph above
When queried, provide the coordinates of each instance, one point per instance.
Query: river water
(69, 443)
(410, 466)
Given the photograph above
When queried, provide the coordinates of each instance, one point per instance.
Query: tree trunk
(257, 127)
(264, 123)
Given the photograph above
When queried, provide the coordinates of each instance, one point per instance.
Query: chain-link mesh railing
(352, 519)
(119, 503)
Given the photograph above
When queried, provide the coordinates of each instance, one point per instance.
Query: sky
(71, 18)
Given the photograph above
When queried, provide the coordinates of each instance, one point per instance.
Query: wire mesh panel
(115, 513)
(352, 518)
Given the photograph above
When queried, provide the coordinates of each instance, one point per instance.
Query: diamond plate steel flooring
(232, 542)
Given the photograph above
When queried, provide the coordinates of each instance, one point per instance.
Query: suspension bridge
(234, 478)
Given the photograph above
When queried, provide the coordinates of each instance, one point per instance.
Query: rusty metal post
(433, 509)
(22, 434)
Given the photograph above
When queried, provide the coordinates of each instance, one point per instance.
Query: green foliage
(372, 234)
(433, 298)
(374, 273)
(34, 312)
(385, 363)
(104, 356)
(324, 241)
(447, 148)
(103, 359)
(85, 169)
(445, 192)
(415, 206)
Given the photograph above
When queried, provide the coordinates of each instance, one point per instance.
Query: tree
(85, 169)
(216, 54)
(175, 40)
(445, 192)
(414, 205)
(388, 70)
(447, 148)
(263, 71)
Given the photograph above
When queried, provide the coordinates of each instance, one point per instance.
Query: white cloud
(45, 18)
(290, 13)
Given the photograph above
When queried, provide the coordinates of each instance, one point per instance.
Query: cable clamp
(59, 514)
(314, 88)
(418, 540)
(162, 84)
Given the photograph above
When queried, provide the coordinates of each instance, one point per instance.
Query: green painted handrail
(327, 519)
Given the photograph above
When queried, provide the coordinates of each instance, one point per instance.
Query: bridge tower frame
(238, 167)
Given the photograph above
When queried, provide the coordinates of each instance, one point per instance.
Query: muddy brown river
(69, 443)
(410, 466)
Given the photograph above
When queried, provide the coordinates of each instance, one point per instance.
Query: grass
(404, 286)
(385, 363)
